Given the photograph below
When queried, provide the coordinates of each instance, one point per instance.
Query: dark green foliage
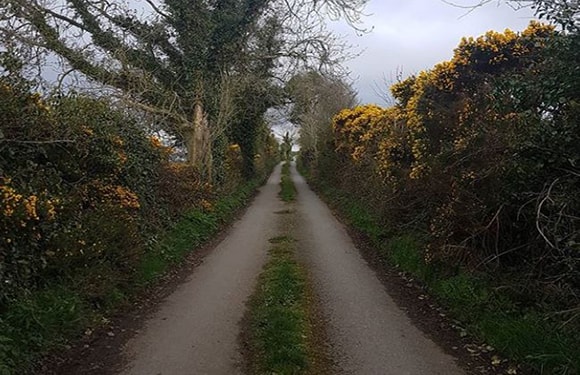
(67, 166)
(44, 320)
(38, 322)
(563, 13)
(249, 127)
(542, 181)
(91, 210)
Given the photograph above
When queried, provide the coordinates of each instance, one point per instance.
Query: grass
(38, 321)
(196, 228)
(278, 314)
(525, 335)
(46, 320)
(404, 253)
(287, 188)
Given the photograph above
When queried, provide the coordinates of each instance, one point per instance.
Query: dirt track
(195, 331)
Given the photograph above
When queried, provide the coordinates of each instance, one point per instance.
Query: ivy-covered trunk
(197, 141)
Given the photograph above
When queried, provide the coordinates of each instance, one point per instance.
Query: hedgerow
(480, 159)
(87, 198)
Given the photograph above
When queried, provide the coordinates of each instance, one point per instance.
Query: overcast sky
(413, 35)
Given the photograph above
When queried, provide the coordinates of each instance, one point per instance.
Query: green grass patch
(45, 320)
(287, 188)
(524, 334)
(405, 253)
(279, 315)
(357, 214)
(280, 239)
(530, 338)
(363, 220)
(465, 294)
(193, 230)
(37, 323)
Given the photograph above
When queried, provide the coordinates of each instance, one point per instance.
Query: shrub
(479, 157)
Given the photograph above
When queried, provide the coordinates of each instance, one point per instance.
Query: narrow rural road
(370, 334)
(196, 329)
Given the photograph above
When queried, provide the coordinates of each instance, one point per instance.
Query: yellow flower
(127, 198)
(30, 206)
(88, 131)
(35, 97)
(5, 87)
(50, 210)
(118, 141)
(10, 197)
(122, 157)
(155, 142)
(206, 205)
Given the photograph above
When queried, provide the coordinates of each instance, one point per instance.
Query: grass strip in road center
(287, 188)
(278, 315)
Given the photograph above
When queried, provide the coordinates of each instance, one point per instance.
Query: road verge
(90, 333)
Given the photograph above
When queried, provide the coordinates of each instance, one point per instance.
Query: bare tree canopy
(565, 13)
(316, 100)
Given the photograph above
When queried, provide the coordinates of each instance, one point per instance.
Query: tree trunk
(197, 141)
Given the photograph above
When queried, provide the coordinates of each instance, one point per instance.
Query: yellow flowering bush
(374, 138)
(80, 183)
(463, 153)
(84, 190)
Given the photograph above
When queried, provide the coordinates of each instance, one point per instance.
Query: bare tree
(565, 13)
(316, 100)
(381, 89)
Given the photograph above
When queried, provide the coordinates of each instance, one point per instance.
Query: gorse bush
(92, 208)
(81, 184)
(482, 155)
(75, 175)
(471, 184)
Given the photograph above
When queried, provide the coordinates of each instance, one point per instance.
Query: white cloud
(414, 35)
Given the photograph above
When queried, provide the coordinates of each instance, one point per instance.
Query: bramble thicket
(479, 161)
